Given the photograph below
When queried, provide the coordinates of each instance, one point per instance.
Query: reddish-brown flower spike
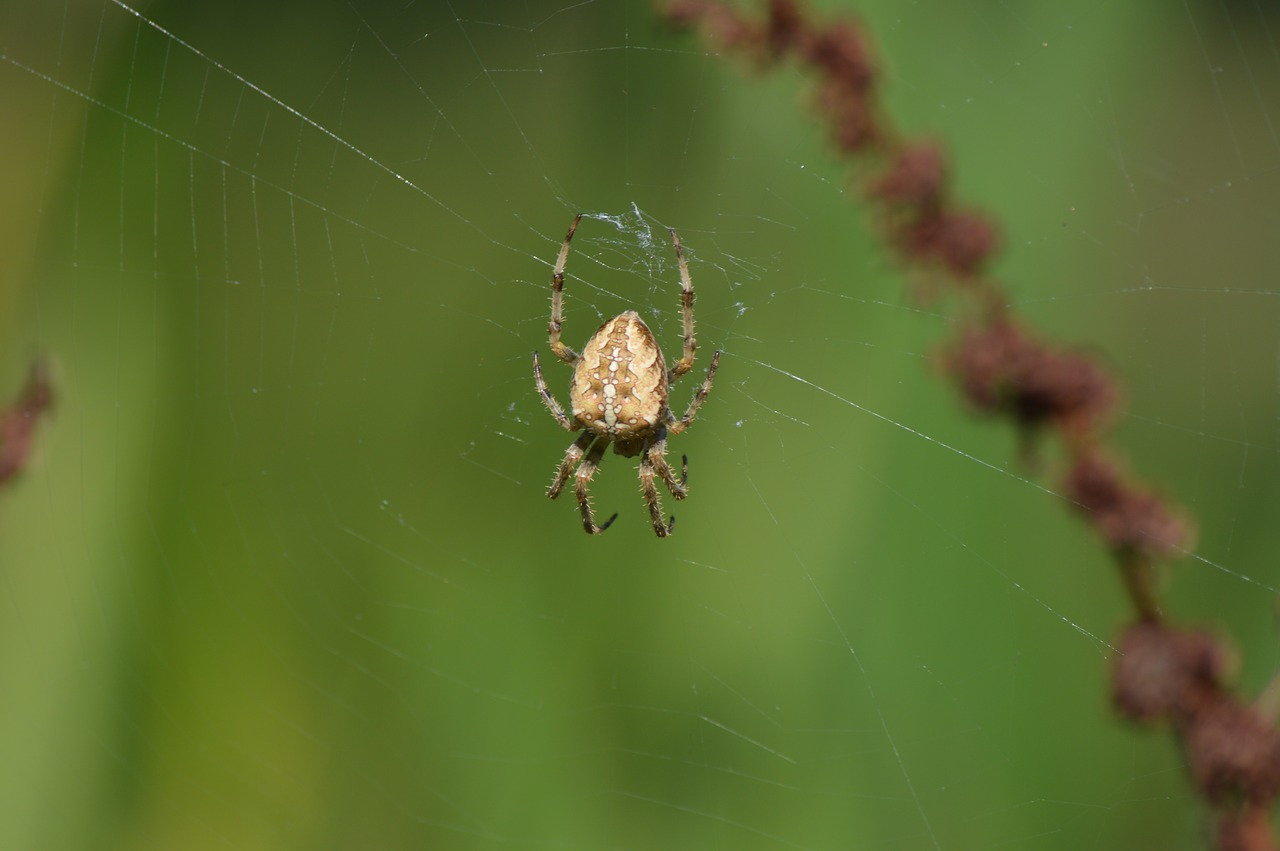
(1066, 388)
(1165, 673)
(916, 179)
(966, 240)
(960, 241)
(1002, 369)
(18, 423)
(1234, 753)
(721, 23)
(841, 55)
(786, 28)
(848, 115)
(1128, 518)
(1246, 829)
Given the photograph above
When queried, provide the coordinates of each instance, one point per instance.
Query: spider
(619, 395)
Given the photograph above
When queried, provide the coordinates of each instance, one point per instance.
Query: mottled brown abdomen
(620, 383)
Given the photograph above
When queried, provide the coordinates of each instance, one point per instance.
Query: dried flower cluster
(1165, 673)
(1003, 369)
(18, 421)
(1181, 677)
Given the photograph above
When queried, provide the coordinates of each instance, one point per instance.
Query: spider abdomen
(620, 382)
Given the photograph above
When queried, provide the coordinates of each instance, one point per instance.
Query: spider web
(283, 574)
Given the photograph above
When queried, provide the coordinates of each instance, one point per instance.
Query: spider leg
(675, 426)
(651, 497)
(685, 363)
(550, 401)
(571, 459)
(585, 471)
(561, 351)
(657, 455)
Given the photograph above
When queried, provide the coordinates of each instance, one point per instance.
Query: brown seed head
(1128, 517)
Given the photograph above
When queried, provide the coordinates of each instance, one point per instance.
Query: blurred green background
(282, 574)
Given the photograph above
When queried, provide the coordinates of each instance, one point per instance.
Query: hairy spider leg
(657, 454)
(651, 497)
(685, 363)
(586, 470)
(561, 351)
(675, 426)
(571, 459)
(550, 401)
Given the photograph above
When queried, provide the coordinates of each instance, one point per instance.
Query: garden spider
(619, 395)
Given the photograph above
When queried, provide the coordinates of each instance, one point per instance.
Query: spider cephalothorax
(619, 395)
